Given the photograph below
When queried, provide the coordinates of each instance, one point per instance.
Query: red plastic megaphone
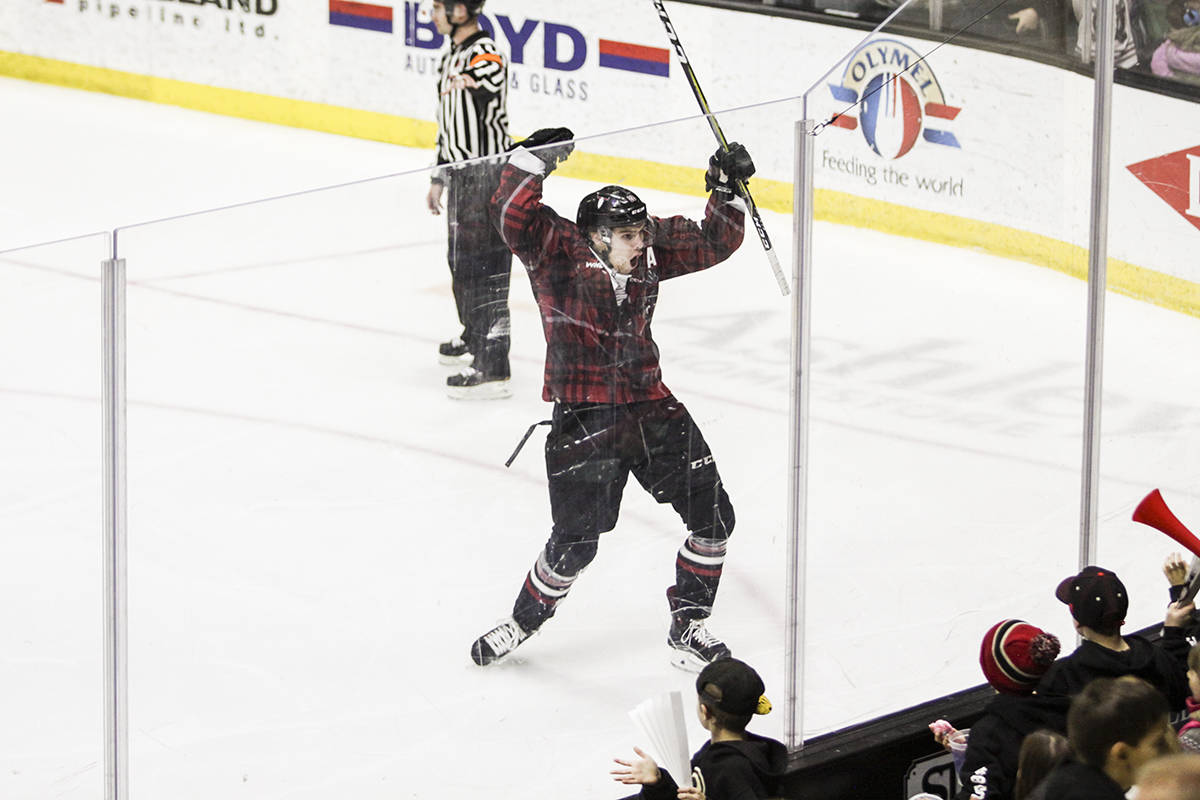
(1153, 511)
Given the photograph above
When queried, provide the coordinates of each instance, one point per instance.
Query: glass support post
(1097, 279)
(802, 218)
(116, 678)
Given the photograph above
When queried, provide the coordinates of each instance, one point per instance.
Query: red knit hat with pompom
(1014, 655)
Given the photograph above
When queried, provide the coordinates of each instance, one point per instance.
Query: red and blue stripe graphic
(360, 15)
(635, 58)
(903, 106)
(934, 136)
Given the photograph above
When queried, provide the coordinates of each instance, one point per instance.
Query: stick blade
(784, 289)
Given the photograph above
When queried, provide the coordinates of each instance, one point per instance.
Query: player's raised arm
(682, 245)
(517, 209)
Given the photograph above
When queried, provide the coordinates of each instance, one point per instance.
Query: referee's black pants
(480, 266)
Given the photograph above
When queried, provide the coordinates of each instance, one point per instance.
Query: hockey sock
(697, 574)
(550, 579)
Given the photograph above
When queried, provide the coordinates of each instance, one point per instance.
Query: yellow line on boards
(1140, 283)
(1132, 280)
(230, 102)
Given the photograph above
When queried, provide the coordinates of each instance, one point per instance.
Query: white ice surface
(316, 533)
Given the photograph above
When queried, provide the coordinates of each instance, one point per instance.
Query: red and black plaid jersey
(596, 350)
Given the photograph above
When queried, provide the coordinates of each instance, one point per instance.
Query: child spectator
(1098, 602)
(1041, 752)
(734, 764)
(1013, 656)
(1178, 56)
(1115, 726)
(1189, 734)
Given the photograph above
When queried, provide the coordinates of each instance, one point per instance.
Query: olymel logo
(896, 92)
(1175, 178)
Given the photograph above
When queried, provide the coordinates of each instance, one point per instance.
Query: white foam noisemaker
(660, 720)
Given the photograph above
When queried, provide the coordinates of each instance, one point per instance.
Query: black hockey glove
(727, 167)
(538, 141)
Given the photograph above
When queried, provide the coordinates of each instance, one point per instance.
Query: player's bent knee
(571, 557)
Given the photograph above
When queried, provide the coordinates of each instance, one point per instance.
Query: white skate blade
(465, 360)
(488, 390)
(686, 661)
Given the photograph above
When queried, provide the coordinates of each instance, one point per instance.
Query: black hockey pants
(590, 453)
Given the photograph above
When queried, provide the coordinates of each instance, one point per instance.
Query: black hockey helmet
(610, 207)
(473, 6)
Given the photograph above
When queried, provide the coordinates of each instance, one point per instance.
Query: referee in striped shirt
(472, 123)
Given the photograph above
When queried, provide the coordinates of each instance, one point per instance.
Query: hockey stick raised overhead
(716, 129)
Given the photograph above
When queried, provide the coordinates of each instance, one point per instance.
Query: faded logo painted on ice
(896, 93)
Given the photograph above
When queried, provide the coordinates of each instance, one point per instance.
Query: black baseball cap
(1096, 596)
(733, 687)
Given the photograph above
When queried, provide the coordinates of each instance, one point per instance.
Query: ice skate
(454, 353)
(471, 384)
(498, 642)
(693, 646)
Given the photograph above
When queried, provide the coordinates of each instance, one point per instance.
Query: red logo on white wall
(1175, 178)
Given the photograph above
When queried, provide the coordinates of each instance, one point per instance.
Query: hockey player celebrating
(596, 284)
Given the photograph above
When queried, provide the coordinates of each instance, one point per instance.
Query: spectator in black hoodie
(1013, 655)
(1098, 603)
(734, 764)
(1115, 726)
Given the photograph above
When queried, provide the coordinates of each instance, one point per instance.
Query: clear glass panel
(947, 363)
(1150, 428)
(1033, 27)
(318, 533)
(50, 498)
